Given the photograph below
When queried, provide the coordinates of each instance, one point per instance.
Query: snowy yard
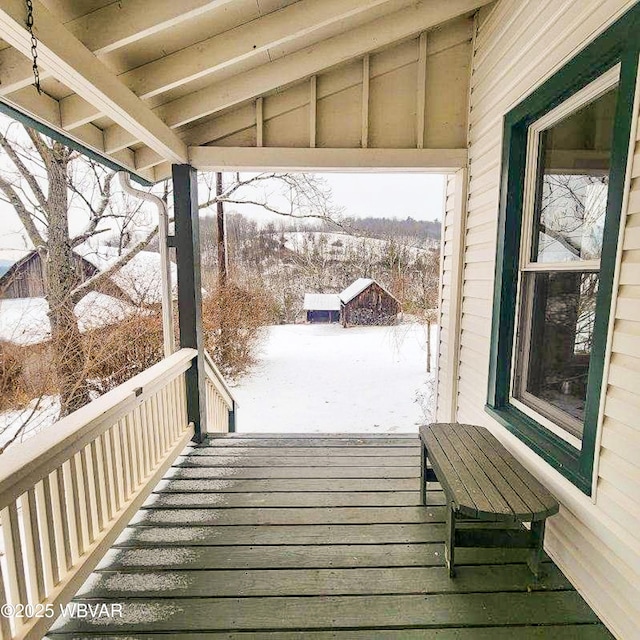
(323, 378)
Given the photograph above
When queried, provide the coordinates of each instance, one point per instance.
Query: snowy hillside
(339, 245)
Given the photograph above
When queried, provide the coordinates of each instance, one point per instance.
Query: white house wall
(444, 304)
(596, 541)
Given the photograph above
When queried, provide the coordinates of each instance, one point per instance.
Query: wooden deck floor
(317, 537)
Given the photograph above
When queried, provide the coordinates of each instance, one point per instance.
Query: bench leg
(450, 541)
(535, 556)
(423, 474)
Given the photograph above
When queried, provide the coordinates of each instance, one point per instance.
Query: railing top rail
(24, 464)
(218, 380)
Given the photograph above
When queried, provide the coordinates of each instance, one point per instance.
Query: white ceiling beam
(311, 60)
(108, 29)
(77, 68)
(41, 107)
(304, 159)
(250, 40)
(241, 118)
(146, 158)
(117, 138)
(122, 23)
(244, 42)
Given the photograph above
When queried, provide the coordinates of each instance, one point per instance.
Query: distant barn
(365, 302)
(24, 278)
(322, 307)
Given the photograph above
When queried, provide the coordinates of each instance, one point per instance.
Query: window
(564, 162)
(565, 202)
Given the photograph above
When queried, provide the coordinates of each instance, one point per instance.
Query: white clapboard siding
(452, 264)
(517, 45)
(444, 351)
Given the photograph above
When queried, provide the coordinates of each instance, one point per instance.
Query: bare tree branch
(24, 172)
(43, 150)
(24, 215)
(102, 276)
(22, 427)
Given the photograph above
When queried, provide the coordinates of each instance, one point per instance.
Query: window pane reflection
(558, 320)
(573, 183)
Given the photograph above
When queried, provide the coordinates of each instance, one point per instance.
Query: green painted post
(187, 243)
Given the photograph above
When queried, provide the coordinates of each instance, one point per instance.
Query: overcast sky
(391, 195)
(380, 195)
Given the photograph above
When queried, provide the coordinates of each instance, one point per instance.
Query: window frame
(618, 45)
(536, 408)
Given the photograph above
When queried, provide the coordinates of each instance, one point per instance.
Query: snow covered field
(323, 378)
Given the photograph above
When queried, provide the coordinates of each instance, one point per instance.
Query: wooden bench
(483, 482)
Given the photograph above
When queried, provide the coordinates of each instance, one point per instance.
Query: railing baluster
(154, 428)
(177, 393)
(13, 553)
(5, 621)
(162, 425)
(124, 459)
(77, 500)
(88, 484)
(183, 403)
(136, 418)
(52, 545)
(146, 441)
(32, 540)
(107, 466)
(98, 482)
(116, 466)
(133, 452)
(64, 516)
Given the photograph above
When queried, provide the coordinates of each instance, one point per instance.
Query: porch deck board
(332, 545)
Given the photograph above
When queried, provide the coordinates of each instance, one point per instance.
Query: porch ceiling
(147, 83)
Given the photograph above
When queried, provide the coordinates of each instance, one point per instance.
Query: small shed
(366, 302)
(322, 307)
(22, 275)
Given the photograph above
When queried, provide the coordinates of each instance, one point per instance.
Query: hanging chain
(34, 46)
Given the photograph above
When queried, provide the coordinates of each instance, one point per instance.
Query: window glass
(558, 313)
(558, 287)
(572, 184)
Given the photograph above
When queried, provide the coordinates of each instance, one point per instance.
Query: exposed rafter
(303, 63)
(311, 60)
(249, 40)
(107, 29)
(245, 41)
(83, 73)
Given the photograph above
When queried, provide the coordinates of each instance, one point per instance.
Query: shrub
(11, 382)
(116, 353)
(232, 319)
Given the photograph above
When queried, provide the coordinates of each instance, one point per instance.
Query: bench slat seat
(482, 481)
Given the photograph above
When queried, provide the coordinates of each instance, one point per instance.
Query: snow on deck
(323, 378)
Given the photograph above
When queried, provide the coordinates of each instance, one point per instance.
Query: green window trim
(618, 44)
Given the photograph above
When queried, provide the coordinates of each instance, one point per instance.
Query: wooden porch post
(187, 243)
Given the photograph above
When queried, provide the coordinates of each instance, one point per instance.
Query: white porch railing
(66, 494)
(221, 406)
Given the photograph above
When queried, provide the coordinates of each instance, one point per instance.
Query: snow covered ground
(323, 378)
